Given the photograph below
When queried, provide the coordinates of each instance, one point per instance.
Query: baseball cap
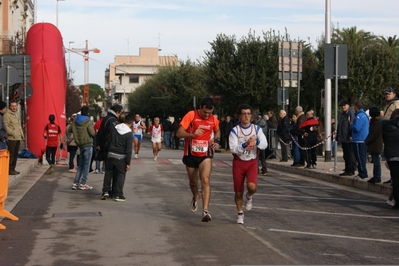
(389, 90)
(345, 103)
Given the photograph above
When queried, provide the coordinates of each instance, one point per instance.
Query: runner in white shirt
(137, 129)
(157, 132)
(244, 140)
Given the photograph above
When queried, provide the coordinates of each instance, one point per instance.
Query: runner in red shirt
(52, 132)
(200, 130)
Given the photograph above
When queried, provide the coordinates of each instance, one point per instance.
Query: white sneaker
(391, 202)
(75, 186)
(97, 172)
(155, 158)
(194, 205)
(136, 156)
(240, 218)
(85, 187)
(248, 203)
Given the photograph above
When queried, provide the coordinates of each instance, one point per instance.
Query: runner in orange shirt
(196, 128)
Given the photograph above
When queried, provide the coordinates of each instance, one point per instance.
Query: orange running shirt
(199, 145)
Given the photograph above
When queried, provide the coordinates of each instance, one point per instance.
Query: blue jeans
(166, 139)
(295, 153)
(98, 166)
(360, 151)
(377, 165)
(3, 145)
(333, 148)
(84, 164)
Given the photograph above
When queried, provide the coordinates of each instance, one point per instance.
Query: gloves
(61, 146)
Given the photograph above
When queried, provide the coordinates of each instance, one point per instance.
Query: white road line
(315, 212)
(302, 197)
(336, 236)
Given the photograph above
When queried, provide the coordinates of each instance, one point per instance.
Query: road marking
(336, 236)
(316, 212)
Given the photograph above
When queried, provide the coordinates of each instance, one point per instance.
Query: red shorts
(244, 169)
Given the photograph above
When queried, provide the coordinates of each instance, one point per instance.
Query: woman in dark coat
(390, 136)
(374, 143)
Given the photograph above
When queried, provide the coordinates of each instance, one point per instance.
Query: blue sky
(185, 27)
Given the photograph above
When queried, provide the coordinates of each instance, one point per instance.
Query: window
(133, 79)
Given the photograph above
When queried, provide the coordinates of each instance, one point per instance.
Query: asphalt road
(294, 220)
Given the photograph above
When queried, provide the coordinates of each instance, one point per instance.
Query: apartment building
(16, 17)
(128, 72)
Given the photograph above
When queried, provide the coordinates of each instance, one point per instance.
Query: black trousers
(115, 172)
(348, 157)
(50, 155)
(13, 148)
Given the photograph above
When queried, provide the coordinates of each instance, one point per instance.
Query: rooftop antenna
(159, 42)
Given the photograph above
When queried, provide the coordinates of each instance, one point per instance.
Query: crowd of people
(115, 139)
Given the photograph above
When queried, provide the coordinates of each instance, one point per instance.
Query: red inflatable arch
(48, 80)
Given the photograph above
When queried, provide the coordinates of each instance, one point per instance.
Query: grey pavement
(30, 171)
(60, 226)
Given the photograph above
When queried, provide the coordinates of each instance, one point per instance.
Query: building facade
(16, 17)
(127, 73)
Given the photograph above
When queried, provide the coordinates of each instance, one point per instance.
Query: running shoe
(120, 198)
(97, 171)
(136, 156)
(206, 217)
(105, 196)
(85, 187)
(155, 158)
(72, 171)
(391, 202)
(240, 218)
(75, 186)
(248, 203)
(194, 205)
(51, 170)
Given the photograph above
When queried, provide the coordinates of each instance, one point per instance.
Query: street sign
(21, 63)
(330, 59)
(8, 74)
(216, 97)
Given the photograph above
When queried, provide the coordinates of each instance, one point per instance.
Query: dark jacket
(104, 133)
(390, 135)
(344, 132)
(3, 130)
(83, 131)
(301, 118)
(311, 127)
(121, 142)
(167, 126)
(263, 125)
(374, 141)
(283, 129)
(228, 128)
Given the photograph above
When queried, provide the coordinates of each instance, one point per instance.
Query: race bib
(199, 147)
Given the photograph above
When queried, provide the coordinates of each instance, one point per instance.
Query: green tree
(96, 96)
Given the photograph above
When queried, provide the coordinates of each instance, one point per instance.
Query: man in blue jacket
(360, 131)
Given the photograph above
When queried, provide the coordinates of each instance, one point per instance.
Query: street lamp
(57, 13)
(69, 59)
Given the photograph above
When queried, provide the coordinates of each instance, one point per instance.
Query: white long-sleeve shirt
(239, 136)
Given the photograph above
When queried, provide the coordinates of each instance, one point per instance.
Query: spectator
(360, 130)
(262, 153)
(301, 117)
(118, 159)
(15, 135)
(294, 146)
(98, 159)
(333, 136)
(176, 125)
(223, 124)
(374, 143)
(83, 132)
(344, 134)
(390, 135)
(71, 145)
(3, 129)
(283, 131)
(227, 130)
(309, 130)
(272, 119)
(168, 128)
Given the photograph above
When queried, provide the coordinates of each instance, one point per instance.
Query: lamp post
(57, 13)
(69, 59)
